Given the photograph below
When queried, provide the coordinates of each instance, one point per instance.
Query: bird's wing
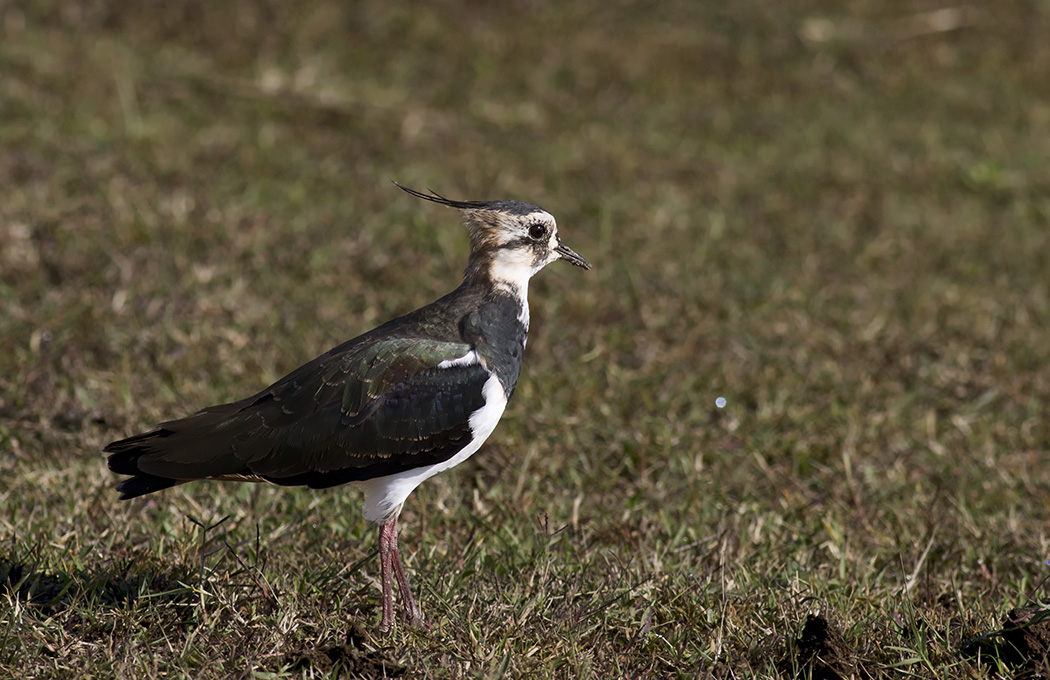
(393, 405)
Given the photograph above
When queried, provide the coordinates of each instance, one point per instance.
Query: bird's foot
(414, 619)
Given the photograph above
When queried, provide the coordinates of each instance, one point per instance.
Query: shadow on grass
(52, 591)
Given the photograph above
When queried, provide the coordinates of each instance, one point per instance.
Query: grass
(835, 217)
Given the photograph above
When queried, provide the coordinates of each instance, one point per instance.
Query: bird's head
(509, 240)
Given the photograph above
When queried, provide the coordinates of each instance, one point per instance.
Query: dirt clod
(1023, 643)
(353, 659)
(821, 653)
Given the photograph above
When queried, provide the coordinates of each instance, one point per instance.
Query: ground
(793, 424)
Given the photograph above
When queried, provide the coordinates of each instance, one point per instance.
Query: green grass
(836, 217)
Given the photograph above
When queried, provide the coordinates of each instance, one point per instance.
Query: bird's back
(396, 398)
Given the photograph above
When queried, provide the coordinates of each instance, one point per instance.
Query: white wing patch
(471, 358)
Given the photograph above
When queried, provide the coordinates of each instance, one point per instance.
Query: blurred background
(810, 364)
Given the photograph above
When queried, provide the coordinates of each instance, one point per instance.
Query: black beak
(567, 253)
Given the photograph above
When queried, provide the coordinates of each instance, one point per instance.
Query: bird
(386, 410)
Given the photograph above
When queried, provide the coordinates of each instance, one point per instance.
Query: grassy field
(833, 216)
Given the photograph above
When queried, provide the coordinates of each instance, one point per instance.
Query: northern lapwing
(388, 409)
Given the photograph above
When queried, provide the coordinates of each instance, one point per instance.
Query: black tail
(123, 459)
(140, 485)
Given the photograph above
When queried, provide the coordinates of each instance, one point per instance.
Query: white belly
(385, 495)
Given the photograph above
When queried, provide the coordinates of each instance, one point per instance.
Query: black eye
(537, 230)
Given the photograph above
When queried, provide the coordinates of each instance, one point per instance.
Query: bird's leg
(387, 551)
(412, 610)
(390, 561)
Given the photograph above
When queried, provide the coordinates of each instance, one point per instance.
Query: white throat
(512, 269)
(511, 272)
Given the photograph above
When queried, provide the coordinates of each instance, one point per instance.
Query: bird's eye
(537, 230)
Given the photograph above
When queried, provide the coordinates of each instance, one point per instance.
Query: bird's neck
(493, 317)
(498, 329)
(501, 275)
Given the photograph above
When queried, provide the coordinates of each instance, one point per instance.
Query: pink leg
(387, 538)
(390, 561)
(412, 610)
